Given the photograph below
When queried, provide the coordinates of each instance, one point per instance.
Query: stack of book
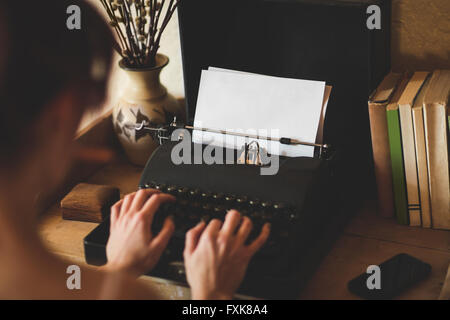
(409, 122)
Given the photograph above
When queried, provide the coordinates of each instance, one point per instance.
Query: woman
(49, 75)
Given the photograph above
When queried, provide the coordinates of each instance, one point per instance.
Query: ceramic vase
(143, 98)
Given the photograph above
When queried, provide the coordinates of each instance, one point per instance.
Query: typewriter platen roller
(297, 201)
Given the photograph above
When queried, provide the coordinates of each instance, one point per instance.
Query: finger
(244, 231)
(162, 239)
(232, 220)
(259, 241)
(140, 198)
(115, 212)
(127, 200)
(192, 237)
(152, 205)
(212, 229)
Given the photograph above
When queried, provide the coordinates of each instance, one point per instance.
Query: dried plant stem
(139, 25)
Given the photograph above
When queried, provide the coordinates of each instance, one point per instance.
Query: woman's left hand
(131, 246)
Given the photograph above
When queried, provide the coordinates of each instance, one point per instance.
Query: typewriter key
(182, 191)
(279, 205)
(254, 203)
(205, 195)
(242, 199)
(293, 216)
(196, 205)
(193, 216)
(160, 187)
(284, 234)
(194, 192)
(205, 218)
(267, 216)
(219, 209)
(230, 198)
(207, 207)
(178, 211)
(150, 185)
(266, 204)
(218, 196)
(256, 214)
(167, 207)
(244, 212)
(171, 189)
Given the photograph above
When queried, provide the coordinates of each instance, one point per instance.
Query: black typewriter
(298, 202)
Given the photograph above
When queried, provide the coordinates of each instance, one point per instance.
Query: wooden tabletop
(368, 239)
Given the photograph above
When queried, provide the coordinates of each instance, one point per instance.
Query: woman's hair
(41, 56)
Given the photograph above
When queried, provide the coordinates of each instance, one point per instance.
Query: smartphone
(394, 276)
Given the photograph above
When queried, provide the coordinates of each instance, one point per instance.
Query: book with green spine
(395, 146)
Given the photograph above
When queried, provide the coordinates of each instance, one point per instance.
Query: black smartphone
(391, 278)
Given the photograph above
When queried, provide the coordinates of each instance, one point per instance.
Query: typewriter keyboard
(195, 205)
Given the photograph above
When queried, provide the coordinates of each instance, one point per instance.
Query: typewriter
(298, 202)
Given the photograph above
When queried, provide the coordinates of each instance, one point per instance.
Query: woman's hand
(131, 246)
(216, 257)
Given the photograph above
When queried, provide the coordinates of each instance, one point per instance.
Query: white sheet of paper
(326, 98)
(255, 104)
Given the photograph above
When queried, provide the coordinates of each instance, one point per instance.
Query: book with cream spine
(436, 137)
(421, 157)
(408, 146)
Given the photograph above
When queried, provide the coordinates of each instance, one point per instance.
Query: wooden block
(89, 202)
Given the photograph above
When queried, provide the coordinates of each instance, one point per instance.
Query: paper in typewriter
(259, 105)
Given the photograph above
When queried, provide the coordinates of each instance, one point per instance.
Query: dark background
(317, 40)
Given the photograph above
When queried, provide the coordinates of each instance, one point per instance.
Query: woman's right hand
(216, 257)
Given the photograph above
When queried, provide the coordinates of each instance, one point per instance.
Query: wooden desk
(368, 239)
